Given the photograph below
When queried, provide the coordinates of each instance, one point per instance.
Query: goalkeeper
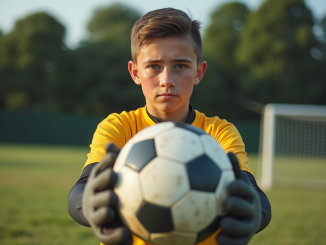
(166, 62)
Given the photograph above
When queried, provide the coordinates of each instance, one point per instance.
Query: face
(167, 69)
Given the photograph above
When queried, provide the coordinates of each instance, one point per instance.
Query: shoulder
(213, 125)
(124, 119)
(226, 134)
(125, 116)
(123, 126)
(117, 128)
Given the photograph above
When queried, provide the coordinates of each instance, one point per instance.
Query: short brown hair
(162, 23)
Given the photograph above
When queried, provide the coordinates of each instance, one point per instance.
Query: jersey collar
(190, 119)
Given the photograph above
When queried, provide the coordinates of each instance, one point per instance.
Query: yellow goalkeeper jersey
(119, 128)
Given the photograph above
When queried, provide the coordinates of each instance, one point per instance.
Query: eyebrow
(175, 60)
(183, 60)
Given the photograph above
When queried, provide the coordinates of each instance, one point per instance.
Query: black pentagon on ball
(140, 154)
(155, 218)
(190, 128)
(209, 230)
(203, 174)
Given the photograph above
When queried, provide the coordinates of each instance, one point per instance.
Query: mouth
(167, 96)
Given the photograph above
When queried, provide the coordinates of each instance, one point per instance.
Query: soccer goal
(293, 146)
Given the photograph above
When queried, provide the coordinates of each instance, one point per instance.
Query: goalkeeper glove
(243, 208)
(99, 201)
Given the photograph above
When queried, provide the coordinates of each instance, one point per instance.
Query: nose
(166, 79)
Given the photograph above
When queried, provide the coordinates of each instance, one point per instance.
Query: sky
(75, 14)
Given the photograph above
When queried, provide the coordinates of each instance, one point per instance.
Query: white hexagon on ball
(128, 190)
(131, 220)
(163, 181)
(195, 211)
(213, 149)
(148, 132)
(178, 144)
(221, 192)
(121, 160)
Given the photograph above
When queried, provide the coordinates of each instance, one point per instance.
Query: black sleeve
(76, 195)
(265, 205)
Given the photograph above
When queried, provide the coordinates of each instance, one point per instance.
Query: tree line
(276, 54)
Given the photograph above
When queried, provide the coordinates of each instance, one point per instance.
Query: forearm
(76, 195)
(75, 204)
(265, 205)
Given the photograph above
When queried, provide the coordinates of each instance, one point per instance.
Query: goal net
(293, 145)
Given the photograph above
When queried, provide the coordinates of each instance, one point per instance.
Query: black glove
(99, 201)
(243, 208)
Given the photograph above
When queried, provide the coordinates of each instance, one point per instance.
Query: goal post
(293, 146)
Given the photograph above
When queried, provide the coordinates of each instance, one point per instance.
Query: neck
(179, 115)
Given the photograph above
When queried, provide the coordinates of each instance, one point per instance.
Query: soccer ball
(172, 180)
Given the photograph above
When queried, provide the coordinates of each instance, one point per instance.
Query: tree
(276, 49)
(323, 39)
(218, 93)
(223, 34)
(211, 95)
(112, 23)
(102, 82)
(33, 63)
(322, 52)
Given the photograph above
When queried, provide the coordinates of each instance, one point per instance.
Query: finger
(111, 147)
(241, 189)
(239, 207)
(107, 161)
(235, 227)
(102, 216)
(119, 236)
(235, 165)
(223, 239)
(104, 180)
(104, 198)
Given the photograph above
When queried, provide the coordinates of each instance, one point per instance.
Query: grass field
(35, 181)
(300, 171)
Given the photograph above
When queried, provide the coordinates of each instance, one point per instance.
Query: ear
(132, 67)
(201, 68)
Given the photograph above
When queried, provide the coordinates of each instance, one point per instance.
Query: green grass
(304, 171)
(35, 181)
(34, 185)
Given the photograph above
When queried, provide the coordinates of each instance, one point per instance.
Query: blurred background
(65, 62)
(63, 69)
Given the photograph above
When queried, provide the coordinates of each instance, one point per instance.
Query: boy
(166, 50)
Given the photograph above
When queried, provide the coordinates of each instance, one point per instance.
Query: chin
(169, 107)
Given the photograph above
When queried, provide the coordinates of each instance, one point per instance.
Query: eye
(153, 67)
(181, 66)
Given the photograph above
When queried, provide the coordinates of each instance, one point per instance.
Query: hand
(99, 201)
(243, 207)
